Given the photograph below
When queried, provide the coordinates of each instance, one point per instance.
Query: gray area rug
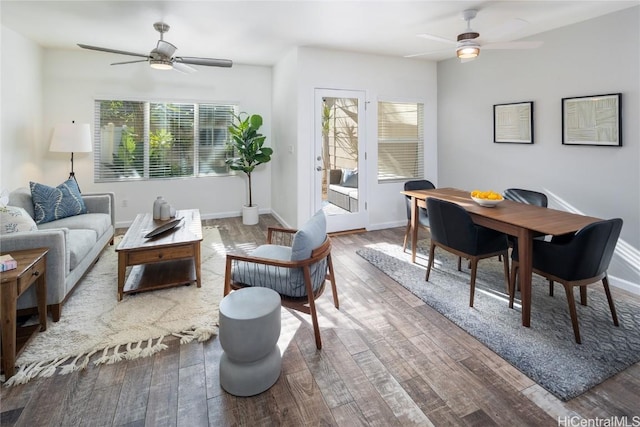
(546, 352)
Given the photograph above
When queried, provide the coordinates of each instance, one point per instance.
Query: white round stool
(249, 331)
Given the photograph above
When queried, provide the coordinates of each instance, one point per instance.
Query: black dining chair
(580, 260)
(453, 230)
(423, 217)
(529, 197)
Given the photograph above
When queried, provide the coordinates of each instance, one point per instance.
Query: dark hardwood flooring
(387, 360)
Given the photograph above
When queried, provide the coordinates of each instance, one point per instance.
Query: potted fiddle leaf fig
(249, 152)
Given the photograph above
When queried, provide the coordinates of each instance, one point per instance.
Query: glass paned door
(339, 163)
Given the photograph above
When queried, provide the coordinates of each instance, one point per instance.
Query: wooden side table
(31, 270)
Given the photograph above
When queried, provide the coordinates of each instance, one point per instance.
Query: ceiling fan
(161, 57)
(468, 44)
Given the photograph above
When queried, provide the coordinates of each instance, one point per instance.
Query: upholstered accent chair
(578, 260)
(294, 263)
(453, 230)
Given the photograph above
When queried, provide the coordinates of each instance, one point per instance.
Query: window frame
(195, 151)
(419, 168)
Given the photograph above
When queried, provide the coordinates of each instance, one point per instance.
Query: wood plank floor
(387, 360)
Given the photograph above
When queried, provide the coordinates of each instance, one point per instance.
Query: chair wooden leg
(312, 306)
(505, 261)
(459, 263)
(583, 295)
(227, 278)
(332, 279)
(572, 312)
(512, 282)
(472, 284)
(407, 232)
(612, 307)
(432, 251)
(550, 288)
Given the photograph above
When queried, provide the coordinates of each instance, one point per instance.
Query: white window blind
(142, 140)
(400, 141)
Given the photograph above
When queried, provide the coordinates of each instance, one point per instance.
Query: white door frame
(348, 220)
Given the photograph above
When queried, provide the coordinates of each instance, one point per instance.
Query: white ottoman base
(249, 379)
(249, 331)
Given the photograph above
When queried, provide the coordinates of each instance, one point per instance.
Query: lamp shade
(71, 138)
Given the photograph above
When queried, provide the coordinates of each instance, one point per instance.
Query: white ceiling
(260, 32)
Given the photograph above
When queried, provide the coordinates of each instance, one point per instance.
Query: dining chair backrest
(451, 225)
(588, 254)
(418, 184)
(526, 196)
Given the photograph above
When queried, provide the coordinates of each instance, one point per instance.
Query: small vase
(156, 207)
(165, 211)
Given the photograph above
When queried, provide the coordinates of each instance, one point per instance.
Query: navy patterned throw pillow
(51, 203)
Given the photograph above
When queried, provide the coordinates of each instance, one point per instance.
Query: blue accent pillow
(309, 237)
(51, 203)
(352, 181)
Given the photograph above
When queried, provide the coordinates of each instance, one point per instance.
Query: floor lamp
(70, 138)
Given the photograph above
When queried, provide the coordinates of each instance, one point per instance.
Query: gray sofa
(74, 245)
(343, 189)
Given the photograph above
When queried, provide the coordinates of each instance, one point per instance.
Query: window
(400, 141)
(148, 140)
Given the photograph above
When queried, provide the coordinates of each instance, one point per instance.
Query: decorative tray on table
(163, 228)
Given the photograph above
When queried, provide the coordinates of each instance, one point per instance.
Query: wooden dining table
(517, 219)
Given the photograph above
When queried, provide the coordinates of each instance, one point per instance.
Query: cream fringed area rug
(96, 328)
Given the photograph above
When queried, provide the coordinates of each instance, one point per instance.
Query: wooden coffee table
(170, 259)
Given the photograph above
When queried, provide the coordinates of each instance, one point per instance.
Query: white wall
(21, 112)
(381, 78)
(285, 130)
(599, 56)
(70, 83)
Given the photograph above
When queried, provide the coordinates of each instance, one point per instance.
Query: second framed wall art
(592, 120)
(513, 123)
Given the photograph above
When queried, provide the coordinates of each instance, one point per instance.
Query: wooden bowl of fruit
(488, 199)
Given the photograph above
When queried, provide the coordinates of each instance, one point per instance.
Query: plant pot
(250, 215)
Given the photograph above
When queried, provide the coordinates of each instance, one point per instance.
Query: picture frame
(513, 123)
(592, 120)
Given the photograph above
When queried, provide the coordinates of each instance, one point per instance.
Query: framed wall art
(513, 123)
(592, 120)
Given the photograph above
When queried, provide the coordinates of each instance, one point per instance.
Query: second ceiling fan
(162, 56)
(468, 44)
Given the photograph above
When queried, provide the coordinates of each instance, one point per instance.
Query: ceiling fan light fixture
(467, 49)
(161, 64)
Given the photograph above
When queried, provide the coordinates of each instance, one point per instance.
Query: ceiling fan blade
(129, 62)
(433, 52)
(183, 68)
(436, 38)
(211, 62)
(513, 45)
(505, 29)
(166, 48)
(105, 49)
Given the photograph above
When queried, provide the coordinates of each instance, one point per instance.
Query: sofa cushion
(51, 203)
(98, 222)
(309, 237)
(80, 243)
(21, 198)
(14, 219)
(351, 181)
